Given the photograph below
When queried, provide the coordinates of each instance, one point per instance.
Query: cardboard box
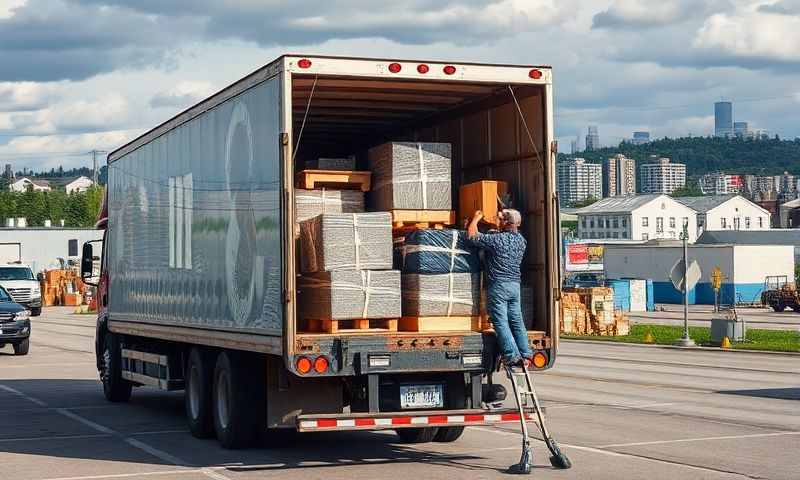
(410, 176)
(72, 299)
(481, 196)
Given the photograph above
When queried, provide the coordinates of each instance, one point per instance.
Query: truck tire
(22, 347)
(417, 435)
(36, 311)
(199, 377)
(236, 405)
(115, 388)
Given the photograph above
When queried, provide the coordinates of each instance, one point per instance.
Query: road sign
(692, 275)
(716, 278)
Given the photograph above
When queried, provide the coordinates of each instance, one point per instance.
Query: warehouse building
(727, 212)
(44, 248)
(744, 269)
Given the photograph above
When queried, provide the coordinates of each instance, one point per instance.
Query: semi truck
(199, 261)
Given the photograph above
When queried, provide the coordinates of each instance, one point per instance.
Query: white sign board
(693, 275)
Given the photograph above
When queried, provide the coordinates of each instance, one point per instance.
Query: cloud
(104, 113)
(636, 14)
(784, 7)
(182, 95)
(751, 36)
(21, 96)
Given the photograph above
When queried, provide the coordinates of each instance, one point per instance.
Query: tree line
(77, 209)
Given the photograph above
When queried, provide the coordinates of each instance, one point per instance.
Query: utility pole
(95, 153)
(686, 340)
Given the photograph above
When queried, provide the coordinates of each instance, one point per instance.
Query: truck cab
(18, 280)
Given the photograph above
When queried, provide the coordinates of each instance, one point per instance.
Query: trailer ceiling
(345, 111)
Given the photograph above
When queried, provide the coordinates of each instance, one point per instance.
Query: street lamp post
(686, 340)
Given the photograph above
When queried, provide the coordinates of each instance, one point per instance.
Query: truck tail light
(321, 365)
(395, 67)
(539, 360)
(303, 365)
(304, 63)
(535, 74)
(422, 68)
(449, 70)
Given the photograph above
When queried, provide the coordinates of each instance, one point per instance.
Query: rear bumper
(395, 420)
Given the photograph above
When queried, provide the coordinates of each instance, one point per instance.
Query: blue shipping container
(651, 297)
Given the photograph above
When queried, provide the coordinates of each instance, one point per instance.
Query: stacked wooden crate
(594, 316)
(62, 287)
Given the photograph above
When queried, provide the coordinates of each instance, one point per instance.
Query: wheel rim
(223, 412)
(194, 391)
(104, 373)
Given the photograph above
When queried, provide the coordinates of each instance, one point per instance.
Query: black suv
(15, 324)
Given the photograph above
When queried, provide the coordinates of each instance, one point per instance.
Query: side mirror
(88, 273)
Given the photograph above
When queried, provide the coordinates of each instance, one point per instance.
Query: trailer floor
(620, 412)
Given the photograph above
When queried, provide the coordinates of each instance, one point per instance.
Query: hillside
(708, 154)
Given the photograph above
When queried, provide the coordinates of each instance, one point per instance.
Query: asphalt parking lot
(620, 412)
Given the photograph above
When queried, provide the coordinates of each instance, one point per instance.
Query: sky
(77, 75)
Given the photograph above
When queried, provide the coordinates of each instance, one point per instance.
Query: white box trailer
(198, 285)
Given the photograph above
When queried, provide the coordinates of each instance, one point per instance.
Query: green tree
(56, 202)
(691, 189)
(31, 205)
(584, 203)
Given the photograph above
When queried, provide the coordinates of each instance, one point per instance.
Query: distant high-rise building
(619, 176)
(573, 147)
(662, 176)
(592, 139)
(579, 180)
(640, 138)
(8, 172)
(723, 119)
(720, 183)
(740, 129)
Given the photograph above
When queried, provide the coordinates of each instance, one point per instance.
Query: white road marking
(142, 474)
(699, 439)
(616, 454)
(26, 397)
(160, 454)
(56, 437)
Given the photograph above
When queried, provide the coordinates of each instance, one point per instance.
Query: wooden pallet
(358, 325)
(415, 219)
(339, 179)
(440, 324)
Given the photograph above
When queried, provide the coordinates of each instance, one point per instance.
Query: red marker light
(422, 68)
(303, 365)
(304, 63)
(535, 74)
(321, 365)
(449, 70)
(395, 67)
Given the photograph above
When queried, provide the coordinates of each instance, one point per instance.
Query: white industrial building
(579, 180)
(744, 268)
(41, 248)
(79, 184)
(24, 183)
(727, 212)
(663, 176)
(639, 217)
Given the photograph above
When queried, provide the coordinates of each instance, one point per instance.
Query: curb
(674, 347)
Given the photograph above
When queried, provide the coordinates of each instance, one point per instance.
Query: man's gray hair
(509, 215)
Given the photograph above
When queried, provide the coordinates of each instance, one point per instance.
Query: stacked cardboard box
(590, 311)
(310, 203)
(574, 315)
(410, 176)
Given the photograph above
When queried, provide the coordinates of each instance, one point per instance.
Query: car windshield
(4, 297)
(15, 273)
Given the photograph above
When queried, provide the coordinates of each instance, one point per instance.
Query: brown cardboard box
(72, 299)
(481, 196)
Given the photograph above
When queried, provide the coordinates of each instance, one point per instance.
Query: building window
(659, 224)
(747, 223)
(601, 235)
(615, 234)
(672, 234)
(624, 234)
(616, 222)
(760, 222)
(583, 222)
(723, 222)
(685, 222)
(736, 223)
(645, 221)
(671, 222)
(624, 222)
(72, 247)
(591, 223)
(645, 237)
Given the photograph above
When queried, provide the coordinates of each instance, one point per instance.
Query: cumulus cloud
(637, 14)
(20, 96)
(182, 95)
(750, 35)
(784, 7)
(107, 112)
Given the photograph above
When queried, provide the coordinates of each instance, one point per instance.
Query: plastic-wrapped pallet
(438, 251)
(310, 203)
(450, 294)
(322, 163)
(411, 176)
(346, 294)
(346, 241)
(528, 312)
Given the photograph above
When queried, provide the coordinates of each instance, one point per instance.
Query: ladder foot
(558, 460)
(524, 465)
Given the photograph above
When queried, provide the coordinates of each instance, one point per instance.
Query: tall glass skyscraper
(723, 119)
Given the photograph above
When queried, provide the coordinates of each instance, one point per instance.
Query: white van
(23, 287)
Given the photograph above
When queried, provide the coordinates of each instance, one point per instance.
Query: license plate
(421, 396)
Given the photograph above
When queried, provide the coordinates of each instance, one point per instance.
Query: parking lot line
(699, 439)
(26, 397)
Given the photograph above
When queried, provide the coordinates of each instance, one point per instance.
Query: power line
(94, 154)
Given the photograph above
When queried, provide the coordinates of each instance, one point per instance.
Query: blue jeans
(504, 307)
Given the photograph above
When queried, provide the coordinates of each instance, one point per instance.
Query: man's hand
(472, 229)
(477, 216)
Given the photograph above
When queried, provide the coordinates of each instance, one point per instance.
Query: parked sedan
(15, 324)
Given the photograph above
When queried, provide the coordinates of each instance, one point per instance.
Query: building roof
(784, 236)
(40, 183)
(706, 202)
(64, 181)
(625, 204)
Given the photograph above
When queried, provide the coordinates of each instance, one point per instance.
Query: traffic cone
(648, 337)
(726, 342)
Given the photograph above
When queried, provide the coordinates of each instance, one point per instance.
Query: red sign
(577, 253)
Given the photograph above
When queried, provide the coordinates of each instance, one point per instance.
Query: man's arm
(472, 228)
